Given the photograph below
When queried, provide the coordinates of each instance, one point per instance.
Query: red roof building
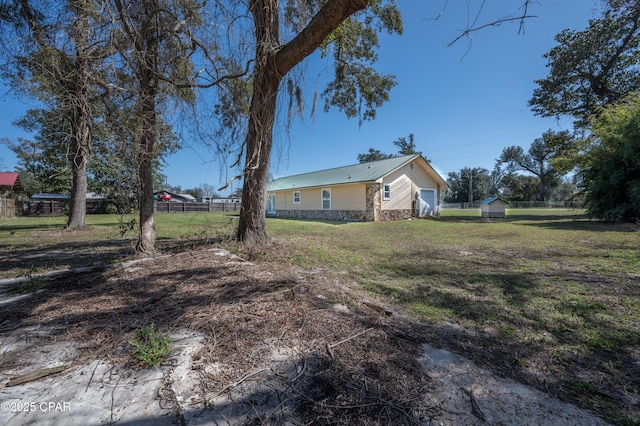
(10, 181)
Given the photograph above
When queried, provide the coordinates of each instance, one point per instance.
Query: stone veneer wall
(372, 200)
(354, 215)
(399, 214)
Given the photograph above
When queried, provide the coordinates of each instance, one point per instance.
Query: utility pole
(470, 186)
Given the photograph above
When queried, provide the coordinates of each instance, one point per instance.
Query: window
(297, 198)
(387, 191)
(326, 199)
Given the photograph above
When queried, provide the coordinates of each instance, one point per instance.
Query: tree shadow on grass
(577, 222)
(61, 255)
(580, 350)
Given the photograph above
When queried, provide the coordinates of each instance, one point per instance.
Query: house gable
(10, 181)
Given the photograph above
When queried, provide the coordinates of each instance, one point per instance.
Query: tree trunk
(251, 226)
(146, 245)
(79, 111)
(78, 202)
(273, 62)
(262, 112)
(146, 45)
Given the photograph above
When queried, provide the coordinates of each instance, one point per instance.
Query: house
(493, 207)
(397, 188)
(183, 198)
(218, 200)
(48, 196)
(10, 181)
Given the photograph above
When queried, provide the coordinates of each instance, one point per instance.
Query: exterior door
(271, 205)
(427, 202)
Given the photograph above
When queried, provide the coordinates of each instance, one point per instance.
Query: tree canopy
(137, 57)
(50, 53)
(543, 159)
(470, 185)
(592, 68)
(405, 147)
(611, 170)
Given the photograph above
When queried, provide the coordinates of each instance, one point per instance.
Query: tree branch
(497, 23)
(321, 25)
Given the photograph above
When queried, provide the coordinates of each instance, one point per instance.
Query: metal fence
(518, 205)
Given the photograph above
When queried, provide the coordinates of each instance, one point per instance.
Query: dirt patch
(256, 343)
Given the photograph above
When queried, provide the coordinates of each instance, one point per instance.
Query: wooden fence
(169, 207)
(11, 208)
(7, 207)
(54, 208)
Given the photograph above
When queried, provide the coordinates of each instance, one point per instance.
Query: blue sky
(463, 103)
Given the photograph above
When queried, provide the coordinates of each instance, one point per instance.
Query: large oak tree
(592, 68)
(543, 159)
(347, 29)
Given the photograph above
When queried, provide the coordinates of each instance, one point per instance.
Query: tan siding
(343, 197)
(348, 197)
(402, 191)
(309, 200)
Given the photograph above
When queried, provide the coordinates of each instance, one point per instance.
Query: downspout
(412, 205)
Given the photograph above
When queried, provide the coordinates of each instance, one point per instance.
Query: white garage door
(427, 202)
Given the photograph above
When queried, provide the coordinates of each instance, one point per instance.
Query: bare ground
(272, 344)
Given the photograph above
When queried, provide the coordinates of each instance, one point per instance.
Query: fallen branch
(333, 345)
(378, 308)
(237, 382)
(35, 375)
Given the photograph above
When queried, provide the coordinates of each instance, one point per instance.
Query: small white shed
(493, 207)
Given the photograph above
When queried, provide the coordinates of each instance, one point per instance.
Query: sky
(463, 103)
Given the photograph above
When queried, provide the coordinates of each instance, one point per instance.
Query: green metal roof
(492, 200)
(357, 173)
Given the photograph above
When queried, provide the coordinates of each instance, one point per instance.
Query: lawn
(544, 296)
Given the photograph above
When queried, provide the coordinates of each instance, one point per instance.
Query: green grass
(540, 284)
(42, 243)
(151, 345)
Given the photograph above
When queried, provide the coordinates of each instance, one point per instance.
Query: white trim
(299, 197)
(385, 191)
(272, 201)
(322, 198)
